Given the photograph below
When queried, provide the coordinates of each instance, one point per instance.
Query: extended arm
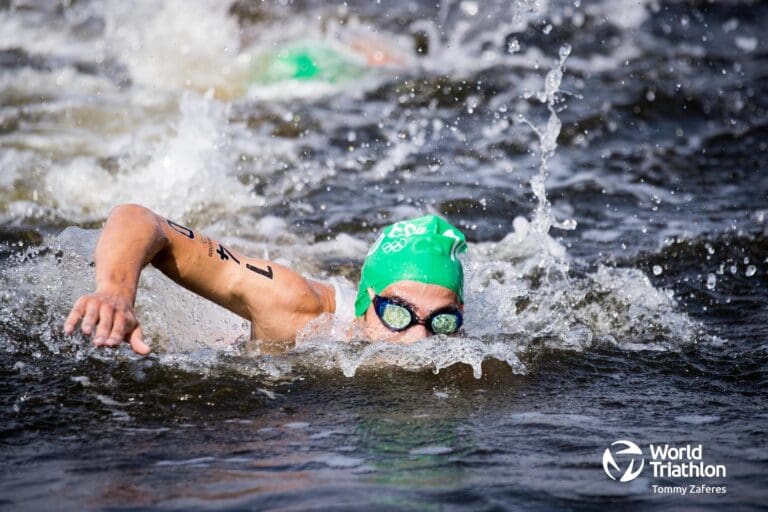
(277, 300)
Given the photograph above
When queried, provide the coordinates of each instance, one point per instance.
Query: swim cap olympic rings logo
(394, 246)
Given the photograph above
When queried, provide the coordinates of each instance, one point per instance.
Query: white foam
(188, 171)
(334, 460)
(297, 425)
(431, 450)
(177, 44)
(695, 419)
(554, 419)
(21, 29)
(625, 14)
(746, 44)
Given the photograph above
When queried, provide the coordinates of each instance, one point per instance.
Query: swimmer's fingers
(78, 311)
(106, 317)
(111, 322)
(137, 342)
(91, 316)
(124, 323)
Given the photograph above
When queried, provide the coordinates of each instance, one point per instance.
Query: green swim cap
(423, 249)
(305, 61)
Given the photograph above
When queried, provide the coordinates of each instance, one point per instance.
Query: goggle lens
(445, 323)
(395, 316)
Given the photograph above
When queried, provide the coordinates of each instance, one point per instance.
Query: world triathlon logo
(628, 458)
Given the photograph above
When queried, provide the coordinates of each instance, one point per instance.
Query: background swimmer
(327, 61)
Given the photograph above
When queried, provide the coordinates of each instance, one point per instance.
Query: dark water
(661, 160)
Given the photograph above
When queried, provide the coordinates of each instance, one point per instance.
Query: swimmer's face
(424, 300)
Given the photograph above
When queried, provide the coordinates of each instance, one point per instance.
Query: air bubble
(751, 270)
(657, 270)
(711, 281)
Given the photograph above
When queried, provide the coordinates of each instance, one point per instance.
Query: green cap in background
(424, 249)
(306, 61)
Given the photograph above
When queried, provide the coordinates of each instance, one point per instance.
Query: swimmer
(326, 61)
(411, 282)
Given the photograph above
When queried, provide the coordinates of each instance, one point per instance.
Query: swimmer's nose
(415, 333)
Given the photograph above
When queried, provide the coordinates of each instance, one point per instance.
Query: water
(607, 162)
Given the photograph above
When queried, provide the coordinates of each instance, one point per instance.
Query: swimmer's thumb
(137, 342)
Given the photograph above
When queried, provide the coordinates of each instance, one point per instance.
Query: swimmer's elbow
(139, 220)
(131, 211)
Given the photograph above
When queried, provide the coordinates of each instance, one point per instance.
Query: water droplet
(751, 270)
(469, 8)
(711, 281)
(746, 44)
(657, 270)
(730, 25)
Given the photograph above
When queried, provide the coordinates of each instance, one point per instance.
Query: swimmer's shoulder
(338, 298)
(280, 325)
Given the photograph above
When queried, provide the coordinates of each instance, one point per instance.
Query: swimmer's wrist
(122, 290)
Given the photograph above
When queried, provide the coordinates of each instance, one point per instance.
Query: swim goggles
(397, 315)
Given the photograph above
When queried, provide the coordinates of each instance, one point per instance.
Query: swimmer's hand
(107, 315)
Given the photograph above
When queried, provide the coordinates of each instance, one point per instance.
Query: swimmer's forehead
(424, 297)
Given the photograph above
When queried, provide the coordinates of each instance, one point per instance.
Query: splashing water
(542, 218)
(189, 170)
(177, 44)
(522, 294)
(521, 287)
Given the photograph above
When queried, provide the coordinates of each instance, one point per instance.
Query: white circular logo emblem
(612, 469)
(394, 246)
